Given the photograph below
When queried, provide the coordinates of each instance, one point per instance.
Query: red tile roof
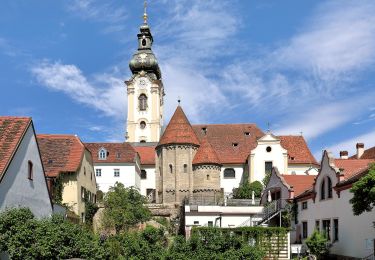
(12, 130)
(116, 152)
(367, 154)
(60, 153)
(206, 154)
(298, 151)
(147, 154)
(224, 137)
(351, 167)
(300, 183)
(179, 130)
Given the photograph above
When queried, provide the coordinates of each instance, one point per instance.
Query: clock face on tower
(143, 82)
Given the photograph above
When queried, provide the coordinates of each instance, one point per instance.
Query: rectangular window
(210, 224)
(267, 167)
(30, 170)
(116, 172)
(185, 168)
(196, 222)
(335, 230)
(327, 228)
(98, 172)
(83, 190)
(304, 205)
(304, 229)
(317, 225)
(143, 174)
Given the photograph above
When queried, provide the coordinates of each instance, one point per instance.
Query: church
(184, 161)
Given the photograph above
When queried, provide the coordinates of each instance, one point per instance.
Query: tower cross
(145, 11)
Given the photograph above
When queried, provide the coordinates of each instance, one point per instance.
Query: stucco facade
(349, 235)
(16, 189)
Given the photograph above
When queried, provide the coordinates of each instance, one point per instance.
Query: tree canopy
(124, 208)
(364, 193)
(245, 190)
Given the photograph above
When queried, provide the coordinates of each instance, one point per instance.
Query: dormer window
(118, 155)
(204, 130)
(247, 133)
(102, 154)
(234, 144)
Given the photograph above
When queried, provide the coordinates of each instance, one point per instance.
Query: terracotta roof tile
(147, 154)
(231, 142)
(352, 166)
(206, 154)
(179, 130)
(60, 153)
(367, 154)
(116, 152)
(298, 151)
(300, 183)
(12, 130)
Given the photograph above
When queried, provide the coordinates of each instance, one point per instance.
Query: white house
(115, 162)
(326, 207)
(22, 180)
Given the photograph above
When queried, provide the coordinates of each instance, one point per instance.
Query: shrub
(317, 244)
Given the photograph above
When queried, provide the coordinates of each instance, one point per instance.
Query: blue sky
(304, 66)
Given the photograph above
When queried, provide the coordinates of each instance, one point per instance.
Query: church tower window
(142, 125)
(142, 102)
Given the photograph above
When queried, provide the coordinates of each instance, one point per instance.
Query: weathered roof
(367, 154)
(116, 152)
(298, 151)
(12, 130)
(179, 130)
(300, 183)
(147, 154)
(352, 166)
(60, 153)
(231, 142)
(206, 154)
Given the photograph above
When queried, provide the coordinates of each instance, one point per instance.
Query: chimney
(344, 155)
(360, 150)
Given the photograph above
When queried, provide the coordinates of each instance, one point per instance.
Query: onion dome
(144, 59)
(206, 154)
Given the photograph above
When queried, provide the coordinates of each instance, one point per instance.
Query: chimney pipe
(360, 150)
(344, 155)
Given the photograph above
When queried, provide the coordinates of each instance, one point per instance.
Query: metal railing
(270, 210)
(218, 200)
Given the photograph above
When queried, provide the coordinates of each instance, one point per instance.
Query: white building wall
(149, 182)
(355, 232)
(128, 176)
(302, 169)
(228, 184)
(259, 156)
(230, 216)
(16, 190)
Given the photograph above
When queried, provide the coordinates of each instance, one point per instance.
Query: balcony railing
(220, 201)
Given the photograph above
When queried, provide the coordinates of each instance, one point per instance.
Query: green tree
(364, 193)
(245, 190)
(24, 237)
(317, 244)
(124, 208)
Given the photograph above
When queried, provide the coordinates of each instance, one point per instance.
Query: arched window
(143, 42)
(170, 168)
(229, 173)
(142, 124)
(142, 102)
(323, 190)
(102, 154)
(185, 168)
(329, 187)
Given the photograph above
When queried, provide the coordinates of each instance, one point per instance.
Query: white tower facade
(145, 92)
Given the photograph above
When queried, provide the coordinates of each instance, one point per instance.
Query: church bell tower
(145, 91)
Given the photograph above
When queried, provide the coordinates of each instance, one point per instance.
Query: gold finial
(145, 12)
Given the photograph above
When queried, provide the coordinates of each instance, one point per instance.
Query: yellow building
(69, 170)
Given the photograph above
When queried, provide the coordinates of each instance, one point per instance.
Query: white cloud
(103, 92)
(350, 145)
(317, 120)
